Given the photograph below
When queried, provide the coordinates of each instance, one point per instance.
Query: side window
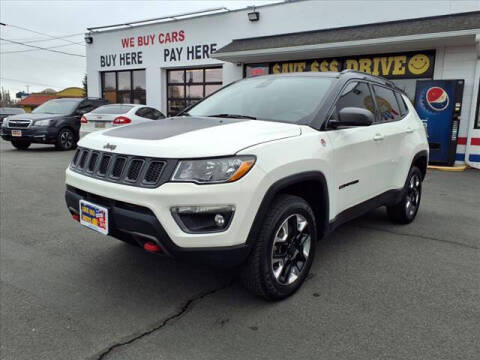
(401, 102)
(388, 109)
(156, 114)
(143, 112)
(355, 94)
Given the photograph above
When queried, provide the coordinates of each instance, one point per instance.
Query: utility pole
(28, 88)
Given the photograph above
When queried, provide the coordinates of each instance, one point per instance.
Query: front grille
(153, 172)
(102, 170)
(19, 123)
(92, 162)
(119, 168)
(134, 170)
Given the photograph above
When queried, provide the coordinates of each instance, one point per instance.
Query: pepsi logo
(437, 98)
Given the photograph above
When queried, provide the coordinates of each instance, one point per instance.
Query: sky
(44, 69)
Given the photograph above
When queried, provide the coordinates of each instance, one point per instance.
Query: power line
(41, 33)
(31, 40)
(29, 50)
(41, 48)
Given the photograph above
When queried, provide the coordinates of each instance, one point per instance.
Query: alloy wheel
(66, 138)
(291, 249)
(413, 195)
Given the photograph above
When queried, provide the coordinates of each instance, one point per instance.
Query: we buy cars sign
(171, 43)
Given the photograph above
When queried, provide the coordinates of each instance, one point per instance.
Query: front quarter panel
(291, 156)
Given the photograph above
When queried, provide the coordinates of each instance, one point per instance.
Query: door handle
(409, 130)
(378, 137)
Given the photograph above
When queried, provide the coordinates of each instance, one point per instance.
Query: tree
(85, 84)
(5, 99)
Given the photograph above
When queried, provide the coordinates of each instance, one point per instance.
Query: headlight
(43, 122)
(5, 122)
(207, 171)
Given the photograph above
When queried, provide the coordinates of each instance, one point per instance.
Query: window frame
(204, 83)
(132, 90)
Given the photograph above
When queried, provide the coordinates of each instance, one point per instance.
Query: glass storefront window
(194, 91)
(176, 76)
(139, 87)
(210, 89)
(194, 76)
(188, 86)
(124, 86)
(213, 75)
(109, 87)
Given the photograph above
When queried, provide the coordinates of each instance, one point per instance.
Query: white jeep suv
(255, 174)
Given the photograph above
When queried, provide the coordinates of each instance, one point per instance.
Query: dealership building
(430, 49)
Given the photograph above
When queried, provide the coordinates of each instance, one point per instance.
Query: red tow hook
(76, 217)
(151, 247)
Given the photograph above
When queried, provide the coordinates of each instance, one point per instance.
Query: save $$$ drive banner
(409, 65)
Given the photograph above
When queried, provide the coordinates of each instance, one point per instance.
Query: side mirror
(353, 116)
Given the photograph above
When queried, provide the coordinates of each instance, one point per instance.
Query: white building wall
(221, 29)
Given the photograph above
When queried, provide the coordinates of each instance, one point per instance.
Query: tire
(66, 139)
(405, 211)
(21, 144)
(282, 256)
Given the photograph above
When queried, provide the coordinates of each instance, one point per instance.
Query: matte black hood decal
(165, 128)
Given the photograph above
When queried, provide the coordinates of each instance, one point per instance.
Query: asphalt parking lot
(377, 290)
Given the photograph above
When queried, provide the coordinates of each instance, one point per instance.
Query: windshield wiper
(233, 116)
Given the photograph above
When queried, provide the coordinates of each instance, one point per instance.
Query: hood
(33, 117)
(189, 137)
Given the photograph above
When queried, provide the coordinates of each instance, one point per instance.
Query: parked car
(255, 174)
(55, 122)
(112, 115)
(7, 111)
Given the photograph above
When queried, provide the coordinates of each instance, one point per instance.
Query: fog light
(219, 220)
(203, 219)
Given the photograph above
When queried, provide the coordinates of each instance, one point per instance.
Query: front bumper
(35, 134)
(145, 214)
(136, 224)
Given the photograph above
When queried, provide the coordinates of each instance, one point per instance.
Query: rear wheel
(21, 144)
(284, 250)
(66, 140)
(405, 211)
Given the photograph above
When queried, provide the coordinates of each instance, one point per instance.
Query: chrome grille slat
(119, 168)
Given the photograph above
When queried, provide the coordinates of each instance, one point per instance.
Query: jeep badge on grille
(109, 146)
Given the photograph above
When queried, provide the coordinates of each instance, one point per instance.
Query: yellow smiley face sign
(418, 64)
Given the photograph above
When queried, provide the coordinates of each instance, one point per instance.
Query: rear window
(387, 104)
(113, 109)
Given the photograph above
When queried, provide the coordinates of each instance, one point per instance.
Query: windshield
(11, 111)
(113, 109)
(283, 98)
(60, 106)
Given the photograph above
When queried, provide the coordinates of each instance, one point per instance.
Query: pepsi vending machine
(439, 103)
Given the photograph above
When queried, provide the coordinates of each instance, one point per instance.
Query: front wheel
(66, 140)
(405, 211)
(283, 253)
(21, 144)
